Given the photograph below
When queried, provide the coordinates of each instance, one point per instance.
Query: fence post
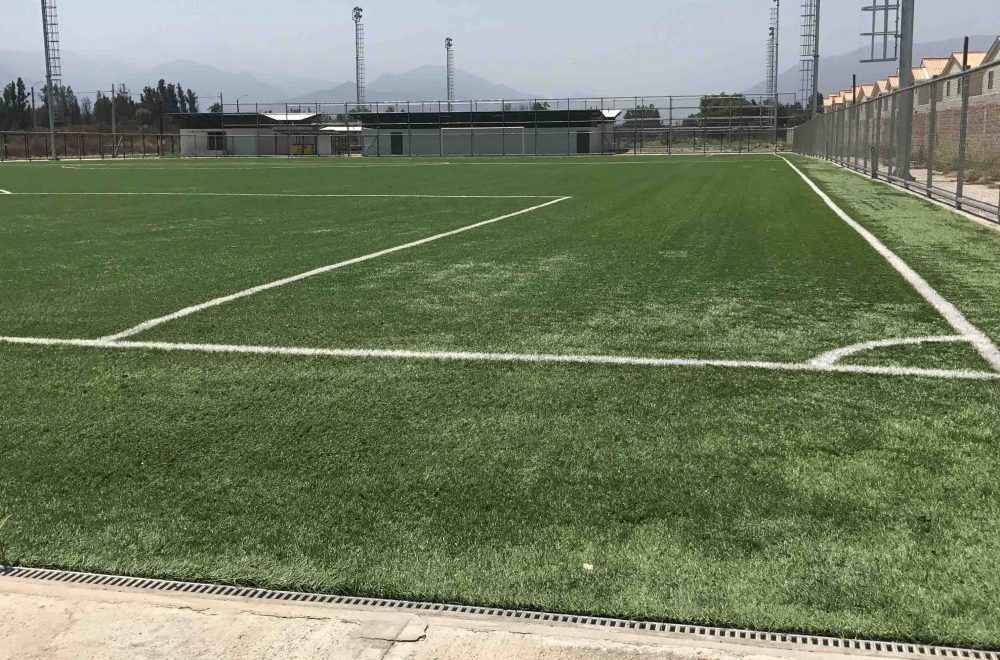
(670, 129)
(963, 135)
(890, 160)
(931, 139)
(877, 149)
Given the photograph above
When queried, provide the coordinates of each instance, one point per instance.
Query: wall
(509, 141)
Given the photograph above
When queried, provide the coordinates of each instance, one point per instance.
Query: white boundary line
(955, 318)
(518, 358)
(187, 311)
(833, 357)
(237, 194)
(5, 192)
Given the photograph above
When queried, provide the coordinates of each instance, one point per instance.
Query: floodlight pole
(775, 45)
(448, 44)
(49, 96)
(814, 101)
(905, 99)
(359, 55)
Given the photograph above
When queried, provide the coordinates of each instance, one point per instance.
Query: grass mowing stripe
(517, 358)
(983, 344)
(187, 311)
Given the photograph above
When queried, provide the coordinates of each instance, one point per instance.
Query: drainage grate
(719, 634)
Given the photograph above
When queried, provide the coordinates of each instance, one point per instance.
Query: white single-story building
(541, 132)
(263, 134)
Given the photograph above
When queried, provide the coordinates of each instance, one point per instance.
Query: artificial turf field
(622, 370)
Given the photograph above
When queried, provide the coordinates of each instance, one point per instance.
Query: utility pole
(905, 119)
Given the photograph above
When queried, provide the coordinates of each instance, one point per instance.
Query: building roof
(930, 68)
(487, 119)
(993, 55)
(934, 66)
(242, 119)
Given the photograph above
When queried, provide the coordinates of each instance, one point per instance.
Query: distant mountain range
(85, 76)
(426, 83)
(835, 71)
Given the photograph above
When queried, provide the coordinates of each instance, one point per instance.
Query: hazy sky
(557, 48)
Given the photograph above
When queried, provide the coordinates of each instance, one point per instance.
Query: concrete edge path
(52, 620)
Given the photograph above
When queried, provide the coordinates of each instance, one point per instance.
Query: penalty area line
(509, 358)
(187, 311)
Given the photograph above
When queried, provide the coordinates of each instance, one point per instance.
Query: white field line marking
(187, 311)
(833, 357)
(983, 344)
(518, 358)
(235, 194)
(267, 166)
(5, 192)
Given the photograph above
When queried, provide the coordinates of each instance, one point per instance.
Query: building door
(396, 146)
(583, 143)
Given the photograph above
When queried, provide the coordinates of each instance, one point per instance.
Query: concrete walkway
(52, 620)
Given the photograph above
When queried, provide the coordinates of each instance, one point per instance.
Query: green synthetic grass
(831, 503)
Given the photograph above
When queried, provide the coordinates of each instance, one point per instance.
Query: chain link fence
(948, 151)
(80, 145)
(609, 125)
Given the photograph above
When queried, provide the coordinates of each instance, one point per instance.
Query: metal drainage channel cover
(720, 634)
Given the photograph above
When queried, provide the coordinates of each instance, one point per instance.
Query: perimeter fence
(608, 125)
(947, 147)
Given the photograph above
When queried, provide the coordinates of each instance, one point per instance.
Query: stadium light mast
(773, 43)
(905, 83)
(53, 65)
(891, 38)
(448, 44)
(809, 68)
(359, 54)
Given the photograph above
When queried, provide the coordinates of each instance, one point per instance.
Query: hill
(423, 83)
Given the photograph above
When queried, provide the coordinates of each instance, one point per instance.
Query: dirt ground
(52, 620)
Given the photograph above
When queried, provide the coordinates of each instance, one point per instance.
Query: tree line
(152, 110)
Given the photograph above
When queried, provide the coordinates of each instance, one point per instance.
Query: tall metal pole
(359, 55)
(776, 24)
(114, 140)
(905, 97)
(49, 73)
(448, 43)
(815, 86)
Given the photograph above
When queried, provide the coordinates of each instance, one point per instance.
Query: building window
(948, 91)
(217, 141)
(991, 80)
(960, 81)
